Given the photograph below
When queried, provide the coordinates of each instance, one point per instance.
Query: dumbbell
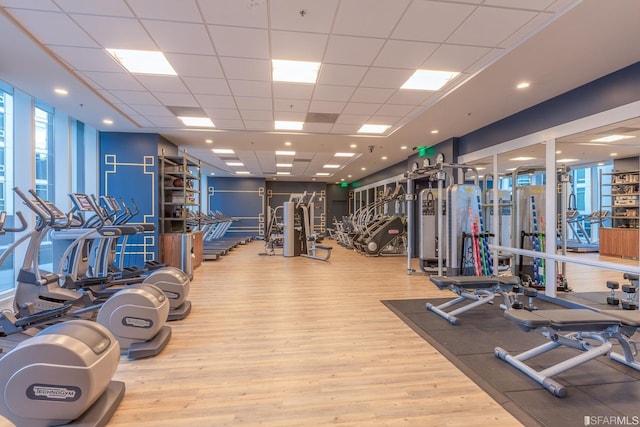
(612, 299)
(629, 303)
(530, 293)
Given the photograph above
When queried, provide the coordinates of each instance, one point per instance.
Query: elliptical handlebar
(23, 223)
(55, 214)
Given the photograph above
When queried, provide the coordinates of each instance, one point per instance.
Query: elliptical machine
(135, 315)
(92, 254)
(63, 374)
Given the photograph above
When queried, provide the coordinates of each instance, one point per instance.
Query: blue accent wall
(619, 88)
(239, 198)
(129, 169)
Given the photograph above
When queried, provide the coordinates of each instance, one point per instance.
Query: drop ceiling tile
(247, 69)
(521, 4)
(114, 81)
(229, 124)
(204, 86)
(165, 122)
(53, 28)
(290, 116)
(222, 114)
(30, 4)
(236, 13)
(409, 97)
(341, 75)
(297, 46)
(292, 105)
(170, 10)
(487, 59)
(130, 34)
(152, 110)
(528, 29)
(176, 99)
(489, 26)
(124, 108)
(346, 129)
(332, 93)
(86, 59)
(562, 4)
(250, 88)
(259, 125)
(393, 110)
(367, 18)
(318, 127)
(317, 17)
(431, 21)
(216, 101)
(135, 97)
(352, 50)
(292, 90)
(180, 37)
(404, 54)
(253, 103)
(353, 119)
(162, 83)
(386, 78)
(381, 119)
(106, 94)
(109, 8)
(326, 107)
(195, 65)
(454, 57)
(240, 42)
(371, 95)
(141, 121)
(260, 115)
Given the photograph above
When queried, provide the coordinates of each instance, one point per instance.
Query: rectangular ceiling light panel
(429, 79)
(612, 138)
(373, 128)
(295, 71)
(285, 125)
(203, 122)
(143, 61)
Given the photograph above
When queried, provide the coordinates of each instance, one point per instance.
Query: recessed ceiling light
(373, 128)
(323, 174)
(243, 173)
(612, 138)
(558, 151)
(212, 173)
(404, 147)
(61, 91)
(283, 173)
(434, 131)
(353, 146)
(613, 154)
(284, 165)
(522, 159)
(331, 166)
(345, 154)
(429, 79)
(341, 179)
(197, 121)
(510, 169)
(288, 144)
(363, 169)
(107, 121)
(523, 85)
(143, 61)
(287, 125)
(384, 157)
(480, 168)
(222, 150)
(566, 160)
(295, 71)
(209, 141)
(285, 153)
(349, 176)
(235, 164)
(600, 164)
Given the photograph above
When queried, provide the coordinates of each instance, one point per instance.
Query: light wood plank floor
(295, 342)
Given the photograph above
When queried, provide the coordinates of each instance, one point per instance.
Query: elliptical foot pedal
(153, 347)
(99, 414)
(179, 313)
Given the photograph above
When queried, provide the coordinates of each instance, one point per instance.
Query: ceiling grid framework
(222, 52)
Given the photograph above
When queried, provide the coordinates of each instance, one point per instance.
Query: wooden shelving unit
(623, 201)
(179, 209)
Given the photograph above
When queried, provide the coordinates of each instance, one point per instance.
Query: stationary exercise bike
(135, 315)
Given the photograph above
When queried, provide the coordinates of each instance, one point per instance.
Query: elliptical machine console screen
(81, 201)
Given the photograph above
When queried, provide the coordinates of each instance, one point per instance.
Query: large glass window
(44, 169)
(6, 182)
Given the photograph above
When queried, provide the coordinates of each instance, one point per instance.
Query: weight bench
(479, 289)
(586, 330)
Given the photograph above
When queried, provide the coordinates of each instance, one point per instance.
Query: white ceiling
(221, 50)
